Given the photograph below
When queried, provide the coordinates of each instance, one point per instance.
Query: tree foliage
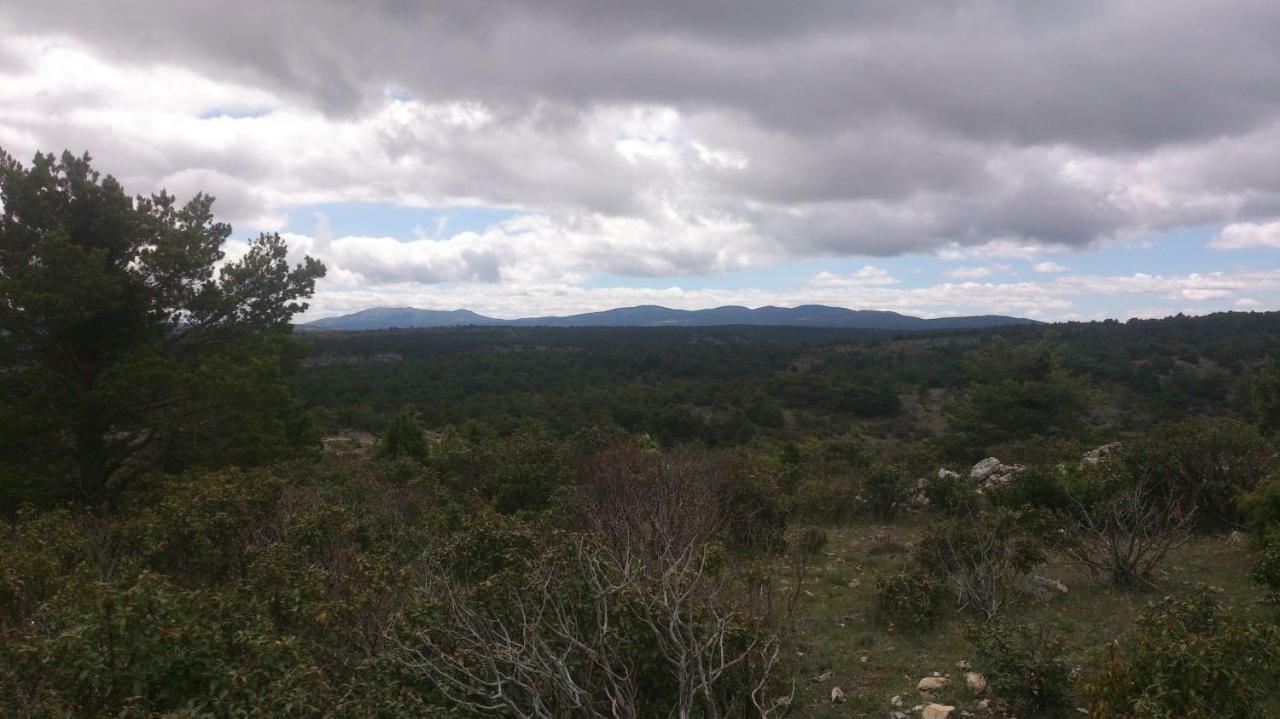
(127, 339)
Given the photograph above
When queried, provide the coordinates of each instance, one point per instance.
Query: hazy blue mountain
(655, 316)
(380, 318)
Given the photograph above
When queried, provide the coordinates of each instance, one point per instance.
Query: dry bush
(1126, 536)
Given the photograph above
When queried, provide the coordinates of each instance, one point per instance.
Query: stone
(929, 685)
(1098, 454)
(837, 695)
(937, 711)
(1044, 589)
(823, 676)
(984, 469)
(976, 682)
(896, 700)
(963, 665)
(944, 473)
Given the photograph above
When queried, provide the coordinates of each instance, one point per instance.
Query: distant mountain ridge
(379, 318)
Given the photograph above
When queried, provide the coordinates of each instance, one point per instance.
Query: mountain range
(378, 318)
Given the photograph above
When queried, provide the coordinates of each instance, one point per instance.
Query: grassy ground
(837, 634)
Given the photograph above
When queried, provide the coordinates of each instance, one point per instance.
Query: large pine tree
(125, 342)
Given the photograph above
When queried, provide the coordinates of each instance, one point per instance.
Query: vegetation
(549, 522)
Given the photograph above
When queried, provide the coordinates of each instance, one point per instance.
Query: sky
(1057, 160)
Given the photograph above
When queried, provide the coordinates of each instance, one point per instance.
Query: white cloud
(969, 273)
(1246, 235)
(1048, 267)
(1247, 302)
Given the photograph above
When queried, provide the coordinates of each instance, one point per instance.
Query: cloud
(1047, 267)
(969, 273)
(1246, 235)
(818, 129)
(675, 139)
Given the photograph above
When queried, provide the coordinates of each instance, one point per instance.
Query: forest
(204, 513)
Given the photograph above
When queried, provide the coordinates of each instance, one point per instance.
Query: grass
(836, 632)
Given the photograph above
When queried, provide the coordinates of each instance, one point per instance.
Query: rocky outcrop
(991, 471)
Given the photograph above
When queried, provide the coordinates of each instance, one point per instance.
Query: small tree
(123, 342)
(403, 437)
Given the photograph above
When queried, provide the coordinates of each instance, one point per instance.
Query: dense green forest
(205, 514)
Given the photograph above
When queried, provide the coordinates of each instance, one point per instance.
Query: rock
(1098, 454)
(823, 676)
(984, 469)
(896, 700)
(963, 665)
(944, 473)
(937, 711)
(1236, 538)
(976, 682)
(984, 705)
(929, 685)
(837, 695)
(1044, 589)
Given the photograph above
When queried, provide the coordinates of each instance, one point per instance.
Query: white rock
(896, 700)
(929, 685)
(837, 695)
(937, 711)
(976, 682)
(944, 473)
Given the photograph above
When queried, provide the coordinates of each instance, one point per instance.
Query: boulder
(1044, 589)
(984, 469)
(976, 682)
(837, 695)
(929, 685)
(937, 711)
(944, 473)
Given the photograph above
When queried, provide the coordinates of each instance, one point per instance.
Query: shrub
(908, 601)
(1189, 658)
(952, 494)
(986, 557)
(1031, 488)
(403, 437)
(1266, 570)
(1125, 536)
(884, 493)
(1025, 666)
(1202, 464)
(1260, 509)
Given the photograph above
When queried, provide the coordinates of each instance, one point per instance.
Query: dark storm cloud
(863, 128)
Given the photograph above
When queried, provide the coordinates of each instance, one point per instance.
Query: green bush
(952, 494)
(1266, 570)
(985, 557)
(1025, 666)
(1189, 658)
(908, 602)
(885, 493)
(1260, 509)
(1031, 488)
(1205, 464)
(403, 437)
